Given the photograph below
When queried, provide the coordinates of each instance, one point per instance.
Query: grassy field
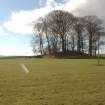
(52, 82)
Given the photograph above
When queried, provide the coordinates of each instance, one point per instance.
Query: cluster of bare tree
(61, 32)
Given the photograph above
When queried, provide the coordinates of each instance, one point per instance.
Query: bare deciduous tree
(93, 25)
(59, 23)
(38, 28)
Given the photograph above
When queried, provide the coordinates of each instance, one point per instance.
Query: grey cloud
(92, 7)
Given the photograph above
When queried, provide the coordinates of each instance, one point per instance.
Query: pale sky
(16, 17)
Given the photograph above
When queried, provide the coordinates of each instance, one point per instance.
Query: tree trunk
(73, 44)
(90, 45)
(41, 45)
(82, 44)
(67, 42)
(78, 43)
(63, 46)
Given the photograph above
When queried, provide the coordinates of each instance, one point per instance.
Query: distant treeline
(63, 34)
(15, 57)
(58, 56)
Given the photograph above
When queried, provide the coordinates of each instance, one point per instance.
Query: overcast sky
(16, 17)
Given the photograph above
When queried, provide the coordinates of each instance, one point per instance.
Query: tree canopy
(60, 32)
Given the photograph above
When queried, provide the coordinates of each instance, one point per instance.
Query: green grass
(52, 82)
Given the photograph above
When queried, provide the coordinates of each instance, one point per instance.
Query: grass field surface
(52, 82)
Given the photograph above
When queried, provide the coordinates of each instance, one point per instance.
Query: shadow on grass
(100, 65)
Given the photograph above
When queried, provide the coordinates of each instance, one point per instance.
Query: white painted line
(23, 66)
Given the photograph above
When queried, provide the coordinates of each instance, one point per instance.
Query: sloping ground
(52, 82)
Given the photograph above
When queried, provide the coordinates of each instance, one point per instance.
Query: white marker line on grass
(24, 68)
